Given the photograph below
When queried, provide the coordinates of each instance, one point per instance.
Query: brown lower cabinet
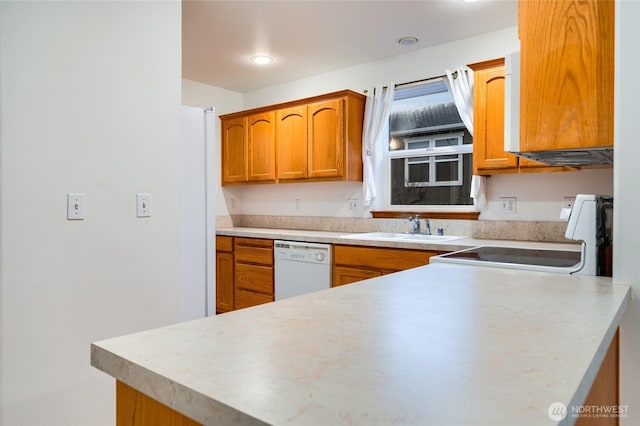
(604, 391)
(357, 263)
(244, 274)
(253, 272)
(133, 408)
(224, 274)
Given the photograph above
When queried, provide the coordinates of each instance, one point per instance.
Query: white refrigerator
(197, 263)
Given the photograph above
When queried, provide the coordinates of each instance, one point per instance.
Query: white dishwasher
(301, 268)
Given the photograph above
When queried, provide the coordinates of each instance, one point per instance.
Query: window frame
(384, 183)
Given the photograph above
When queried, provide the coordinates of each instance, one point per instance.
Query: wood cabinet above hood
(566, 82)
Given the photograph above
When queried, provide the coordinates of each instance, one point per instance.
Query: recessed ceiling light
(261, 59)
(407, 41)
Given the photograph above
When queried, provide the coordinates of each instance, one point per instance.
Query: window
(431, 170)
(429, 157)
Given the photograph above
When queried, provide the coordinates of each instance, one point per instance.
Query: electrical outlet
(568, 202)
(353, 204)
(508, 205)
(234, 204)
(298, 202)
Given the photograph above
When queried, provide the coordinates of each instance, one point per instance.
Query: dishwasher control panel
(298, 251)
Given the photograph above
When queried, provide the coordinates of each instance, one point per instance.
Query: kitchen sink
(403, 237)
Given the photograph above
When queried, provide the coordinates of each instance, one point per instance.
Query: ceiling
(312, 37)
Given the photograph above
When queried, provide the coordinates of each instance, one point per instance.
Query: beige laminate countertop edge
(438, 344)
(331, 237)
(590, 375)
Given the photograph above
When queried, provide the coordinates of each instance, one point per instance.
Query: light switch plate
(75, 206)
(143, 205)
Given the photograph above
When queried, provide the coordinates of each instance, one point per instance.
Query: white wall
(1, 210)
(201, 95)
(327, 199)
(90, 98)
(626, 234)
(416, 65)
(540, 196)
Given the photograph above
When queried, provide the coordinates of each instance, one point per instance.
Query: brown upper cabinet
(248, 148)
(489, 156)
(261, 143)
(566, 86)
(234, 150)
(312, 139)
(325, 139)
(488, 119)
(292, 155)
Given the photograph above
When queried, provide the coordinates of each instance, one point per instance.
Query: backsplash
(481, 229)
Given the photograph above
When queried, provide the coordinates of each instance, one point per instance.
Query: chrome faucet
(427, 227)
(414, 224)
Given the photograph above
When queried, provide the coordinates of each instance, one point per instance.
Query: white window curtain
(376, 115)
(460, 84)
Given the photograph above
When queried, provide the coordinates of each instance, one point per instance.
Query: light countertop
(338, 238)
(436, 345)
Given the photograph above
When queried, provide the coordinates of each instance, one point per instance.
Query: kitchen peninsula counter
(436, 345)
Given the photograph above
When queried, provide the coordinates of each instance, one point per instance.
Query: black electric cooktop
(518, 256)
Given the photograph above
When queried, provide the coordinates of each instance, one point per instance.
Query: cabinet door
(234, 150)
(567, 59)
(604, 390)
(134, 408)
(224, 282)
(344, 275)
(488, 121)
(326, 138)
(261, 147)
(291, 133)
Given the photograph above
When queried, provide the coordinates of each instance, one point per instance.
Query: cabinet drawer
(246, 299)
(254, 250)
(344, 275)
(224, 243)
(388, 259)
(254, 242)
(254, 277)
(258, 255)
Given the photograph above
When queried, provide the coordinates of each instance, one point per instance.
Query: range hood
(573, 157)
